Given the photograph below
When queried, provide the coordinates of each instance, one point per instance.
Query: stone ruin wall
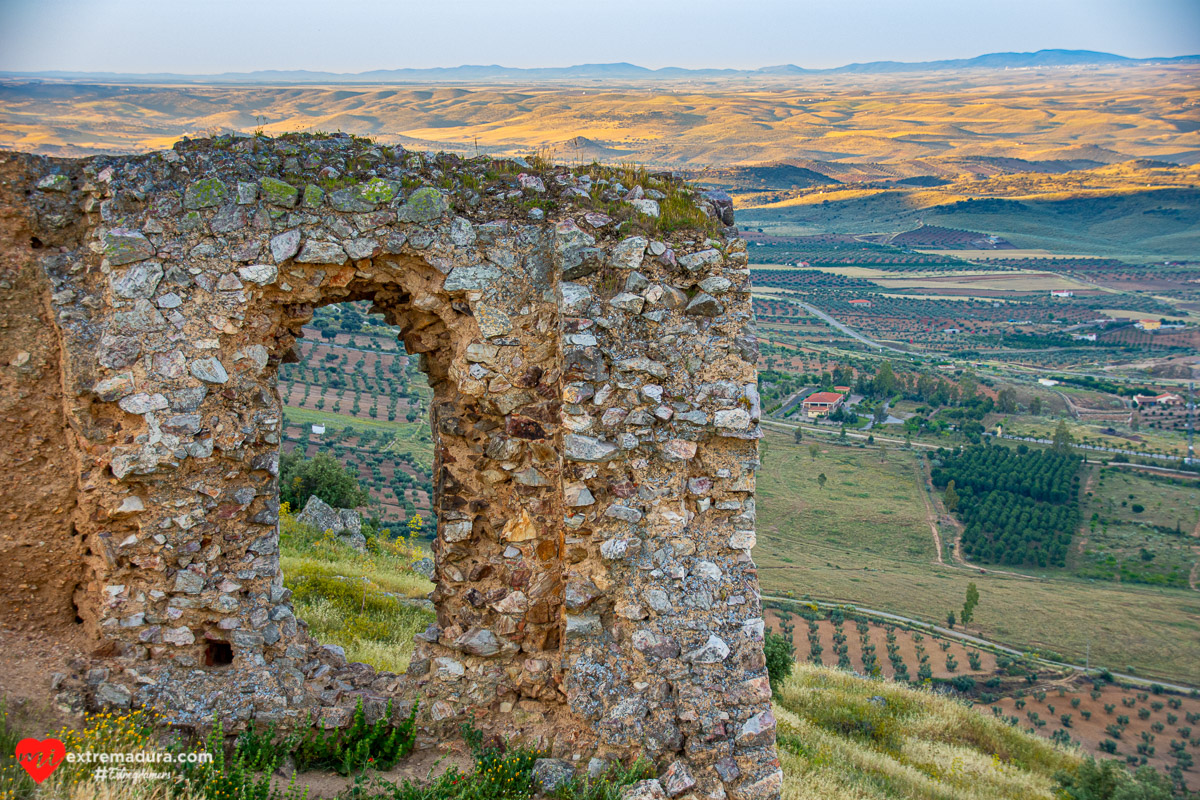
(595, 417)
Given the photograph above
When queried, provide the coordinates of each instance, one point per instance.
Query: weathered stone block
(205, 193)
(123, 246)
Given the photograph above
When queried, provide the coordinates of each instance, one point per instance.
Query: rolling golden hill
(810, 153)
(958, 125)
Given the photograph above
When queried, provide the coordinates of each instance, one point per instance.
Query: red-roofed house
(1164, 399)
(819, 404)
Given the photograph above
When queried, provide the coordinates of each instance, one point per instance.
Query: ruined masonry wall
(595, 419)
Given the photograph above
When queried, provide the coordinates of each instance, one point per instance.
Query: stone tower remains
(591, 353)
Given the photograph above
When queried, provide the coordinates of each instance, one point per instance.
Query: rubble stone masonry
(595, 418)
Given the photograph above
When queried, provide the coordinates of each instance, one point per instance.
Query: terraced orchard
(1132, 723)
(355, 394)
(871, 648)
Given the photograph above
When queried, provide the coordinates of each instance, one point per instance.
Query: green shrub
(14, 780)
(500, 773)
(1110, 780)
(221, 779)
(607, 786)
(780, 656)
(361, 746)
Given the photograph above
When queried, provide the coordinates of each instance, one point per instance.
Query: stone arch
(495, 403)
(595, 416)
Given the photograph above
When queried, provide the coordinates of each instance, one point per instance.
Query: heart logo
(40, 758)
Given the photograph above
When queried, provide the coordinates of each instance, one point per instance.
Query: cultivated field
(866, 538)
(872, 648)
(1112, 721)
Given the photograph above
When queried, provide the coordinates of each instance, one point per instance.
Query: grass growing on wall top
(677, 211)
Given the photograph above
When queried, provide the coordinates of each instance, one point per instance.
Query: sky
(214, 36)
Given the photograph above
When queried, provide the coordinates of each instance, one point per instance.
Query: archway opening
(356, 483)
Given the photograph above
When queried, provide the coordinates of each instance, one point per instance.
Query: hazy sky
(203, 36)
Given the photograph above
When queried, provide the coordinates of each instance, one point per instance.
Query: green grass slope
(842, 737)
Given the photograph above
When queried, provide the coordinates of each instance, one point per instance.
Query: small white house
(1047, 382)
(318, 429)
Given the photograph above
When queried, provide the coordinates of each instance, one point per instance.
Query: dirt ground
(419, 767)
(28, 660)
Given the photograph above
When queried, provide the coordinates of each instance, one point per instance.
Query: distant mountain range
(617, 71)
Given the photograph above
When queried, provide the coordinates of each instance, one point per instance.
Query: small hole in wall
(75, 605)
(217, 654)
(35, 243)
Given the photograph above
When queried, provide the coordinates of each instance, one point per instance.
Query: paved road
(1077, 446)
(1155, 468)
(796, 399)
(849, 434)
(966, 637)
(853, 334)
(923, 445)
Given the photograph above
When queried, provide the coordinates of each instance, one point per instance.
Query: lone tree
(968, 609)
(951, 497)
(950, 620)
(821, 479)
(885, 380)
(813, 451)
(1063, 439)
(300, 478)
(1006, 401)
(968, 386)
(799, 434)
